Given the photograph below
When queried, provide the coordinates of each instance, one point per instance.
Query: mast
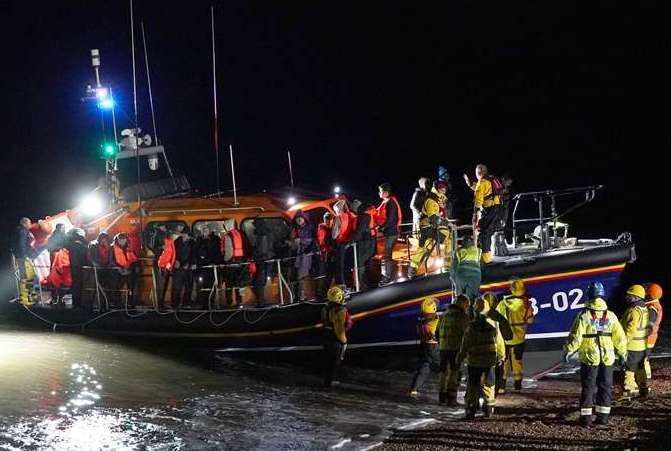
(216, 119)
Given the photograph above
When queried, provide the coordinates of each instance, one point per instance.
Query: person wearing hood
(433, 229)
(451, 328)
(125, 261)
(364, 237)
(417, 201)
(636, 324)
(598, 338)
(78, 249)
(302, 247)
(483, 348)
(263, 250)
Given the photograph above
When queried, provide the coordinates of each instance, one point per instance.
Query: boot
(518, 385)
(488, 411)
(442, 397)
(452, 401)
(585, 420)
(644, 392)
(601, 419)
(470, 414)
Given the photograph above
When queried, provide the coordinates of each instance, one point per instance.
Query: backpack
(498, 188)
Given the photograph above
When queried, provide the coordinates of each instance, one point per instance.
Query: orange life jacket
(238, 243)
(372, 223)
(381, 214)
(657, 307)
(324, 239)
(124, 258)
(347, 226)
(166, 260)
(60, 274)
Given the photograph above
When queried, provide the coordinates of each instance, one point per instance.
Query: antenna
(291, 171)
(235, 191)
(137, 151)
(151, 102)
(216, 120)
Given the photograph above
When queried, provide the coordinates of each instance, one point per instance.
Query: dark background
(362, 92)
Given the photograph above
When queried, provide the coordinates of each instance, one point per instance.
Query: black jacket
(78, 249)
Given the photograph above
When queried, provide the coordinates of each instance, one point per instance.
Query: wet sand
(545, 417)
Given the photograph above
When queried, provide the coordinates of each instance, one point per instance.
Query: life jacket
(344, 226)
(636, 324)
(324, 239)
(122, 258)
(372, 224)
(517, 310)
(498, 188)
(381, 214)
(166, 260)
(654, 327)
(483, 343)
(426, 328)
(451, 328)
(238, 243)
(337, 320)
(60, 274)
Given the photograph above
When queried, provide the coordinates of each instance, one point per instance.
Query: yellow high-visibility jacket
(468, 255)
(483, 345)
(483, 194)
(517, 310)
(334, 318)
(597, 335)
(451, 328)
(431, 209)
(636, 324)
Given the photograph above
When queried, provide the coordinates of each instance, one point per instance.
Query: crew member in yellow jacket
(428, 359)
(636, 324)
(516, 308)
(483, 348)
(336, 320)
(597, 336)
(486, 205)
(451, 327)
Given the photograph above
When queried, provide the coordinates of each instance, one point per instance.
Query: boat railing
(548, 211)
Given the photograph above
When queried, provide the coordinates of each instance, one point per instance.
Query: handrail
(184, 211)
(558, 192)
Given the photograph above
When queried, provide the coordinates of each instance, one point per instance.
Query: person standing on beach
(636, 324)
(451, 327)
(429, 359)
(337, 321)
(598, 337)
(653, 297)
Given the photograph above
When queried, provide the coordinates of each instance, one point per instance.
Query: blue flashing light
(106, 104)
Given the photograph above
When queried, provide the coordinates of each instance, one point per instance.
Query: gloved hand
(566, 357)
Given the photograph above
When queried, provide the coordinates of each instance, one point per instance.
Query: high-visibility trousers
(480, 384)
(427, 245)
(27, 281)
(648, 370)
(634, 374)
(514, 362)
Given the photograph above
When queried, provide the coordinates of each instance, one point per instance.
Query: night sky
(361, 92)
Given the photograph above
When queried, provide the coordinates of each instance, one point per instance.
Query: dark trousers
(597, 387)
(326, 273)
(77, 286)
(162, 279)
(334, 353)
(342, 264)
(487, 226)
(260, 281)
(182, 283)
(387, 257)
(429, 361)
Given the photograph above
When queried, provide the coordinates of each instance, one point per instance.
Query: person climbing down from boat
(337, 322)
(655, 312)
(433, 229)
(342, 230)
(24, 253)
(516, 309)
(364, 237)
(507, 334)
(636, 324)
(57, 240)
(417, 201)
(263, 250)
(429, 356)
(388, 217)
(486, 201)
(125, 261)
(302, 247)
(467, 273)
(326, 255)
(483, 348)
(451, 328)
(182, 274)
(166, 265)
(598, 337)
(78, 250)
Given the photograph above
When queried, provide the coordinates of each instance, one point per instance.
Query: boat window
(219, 227)
(279, 229)
(152, 233)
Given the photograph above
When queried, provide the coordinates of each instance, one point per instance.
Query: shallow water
(62, 391)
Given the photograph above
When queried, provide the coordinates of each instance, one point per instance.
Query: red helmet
(654, 291)
(440, 184)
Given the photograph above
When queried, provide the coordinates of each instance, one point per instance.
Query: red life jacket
(166, 260)
(346, 228)
(372, 224)
(123, 258)
(60, 274)
(324, 239)
(103, 253)
(381, 214)
(656, 306)
(238, 243)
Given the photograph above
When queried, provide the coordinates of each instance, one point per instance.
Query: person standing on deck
(78, 249)
(482, 348)
(429, 357)
(485, 210)
(655, 312)
(326, 255)
(598, 337)
(467, 272)
(337, 322)
(182, 275)
(516, 308)
(417, 201)
(636, 324)
(389, 217)
(24, 253)
(125, 260)
(364, 237)
(451, 328)
(433, 229)
(166, 266)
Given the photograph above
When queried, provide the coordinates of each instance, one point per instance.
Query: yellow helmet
(517, 287)
(462, 302)
(490, 298)
(636, 290)
(481, 305)
(429, 306)
(335, 294)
